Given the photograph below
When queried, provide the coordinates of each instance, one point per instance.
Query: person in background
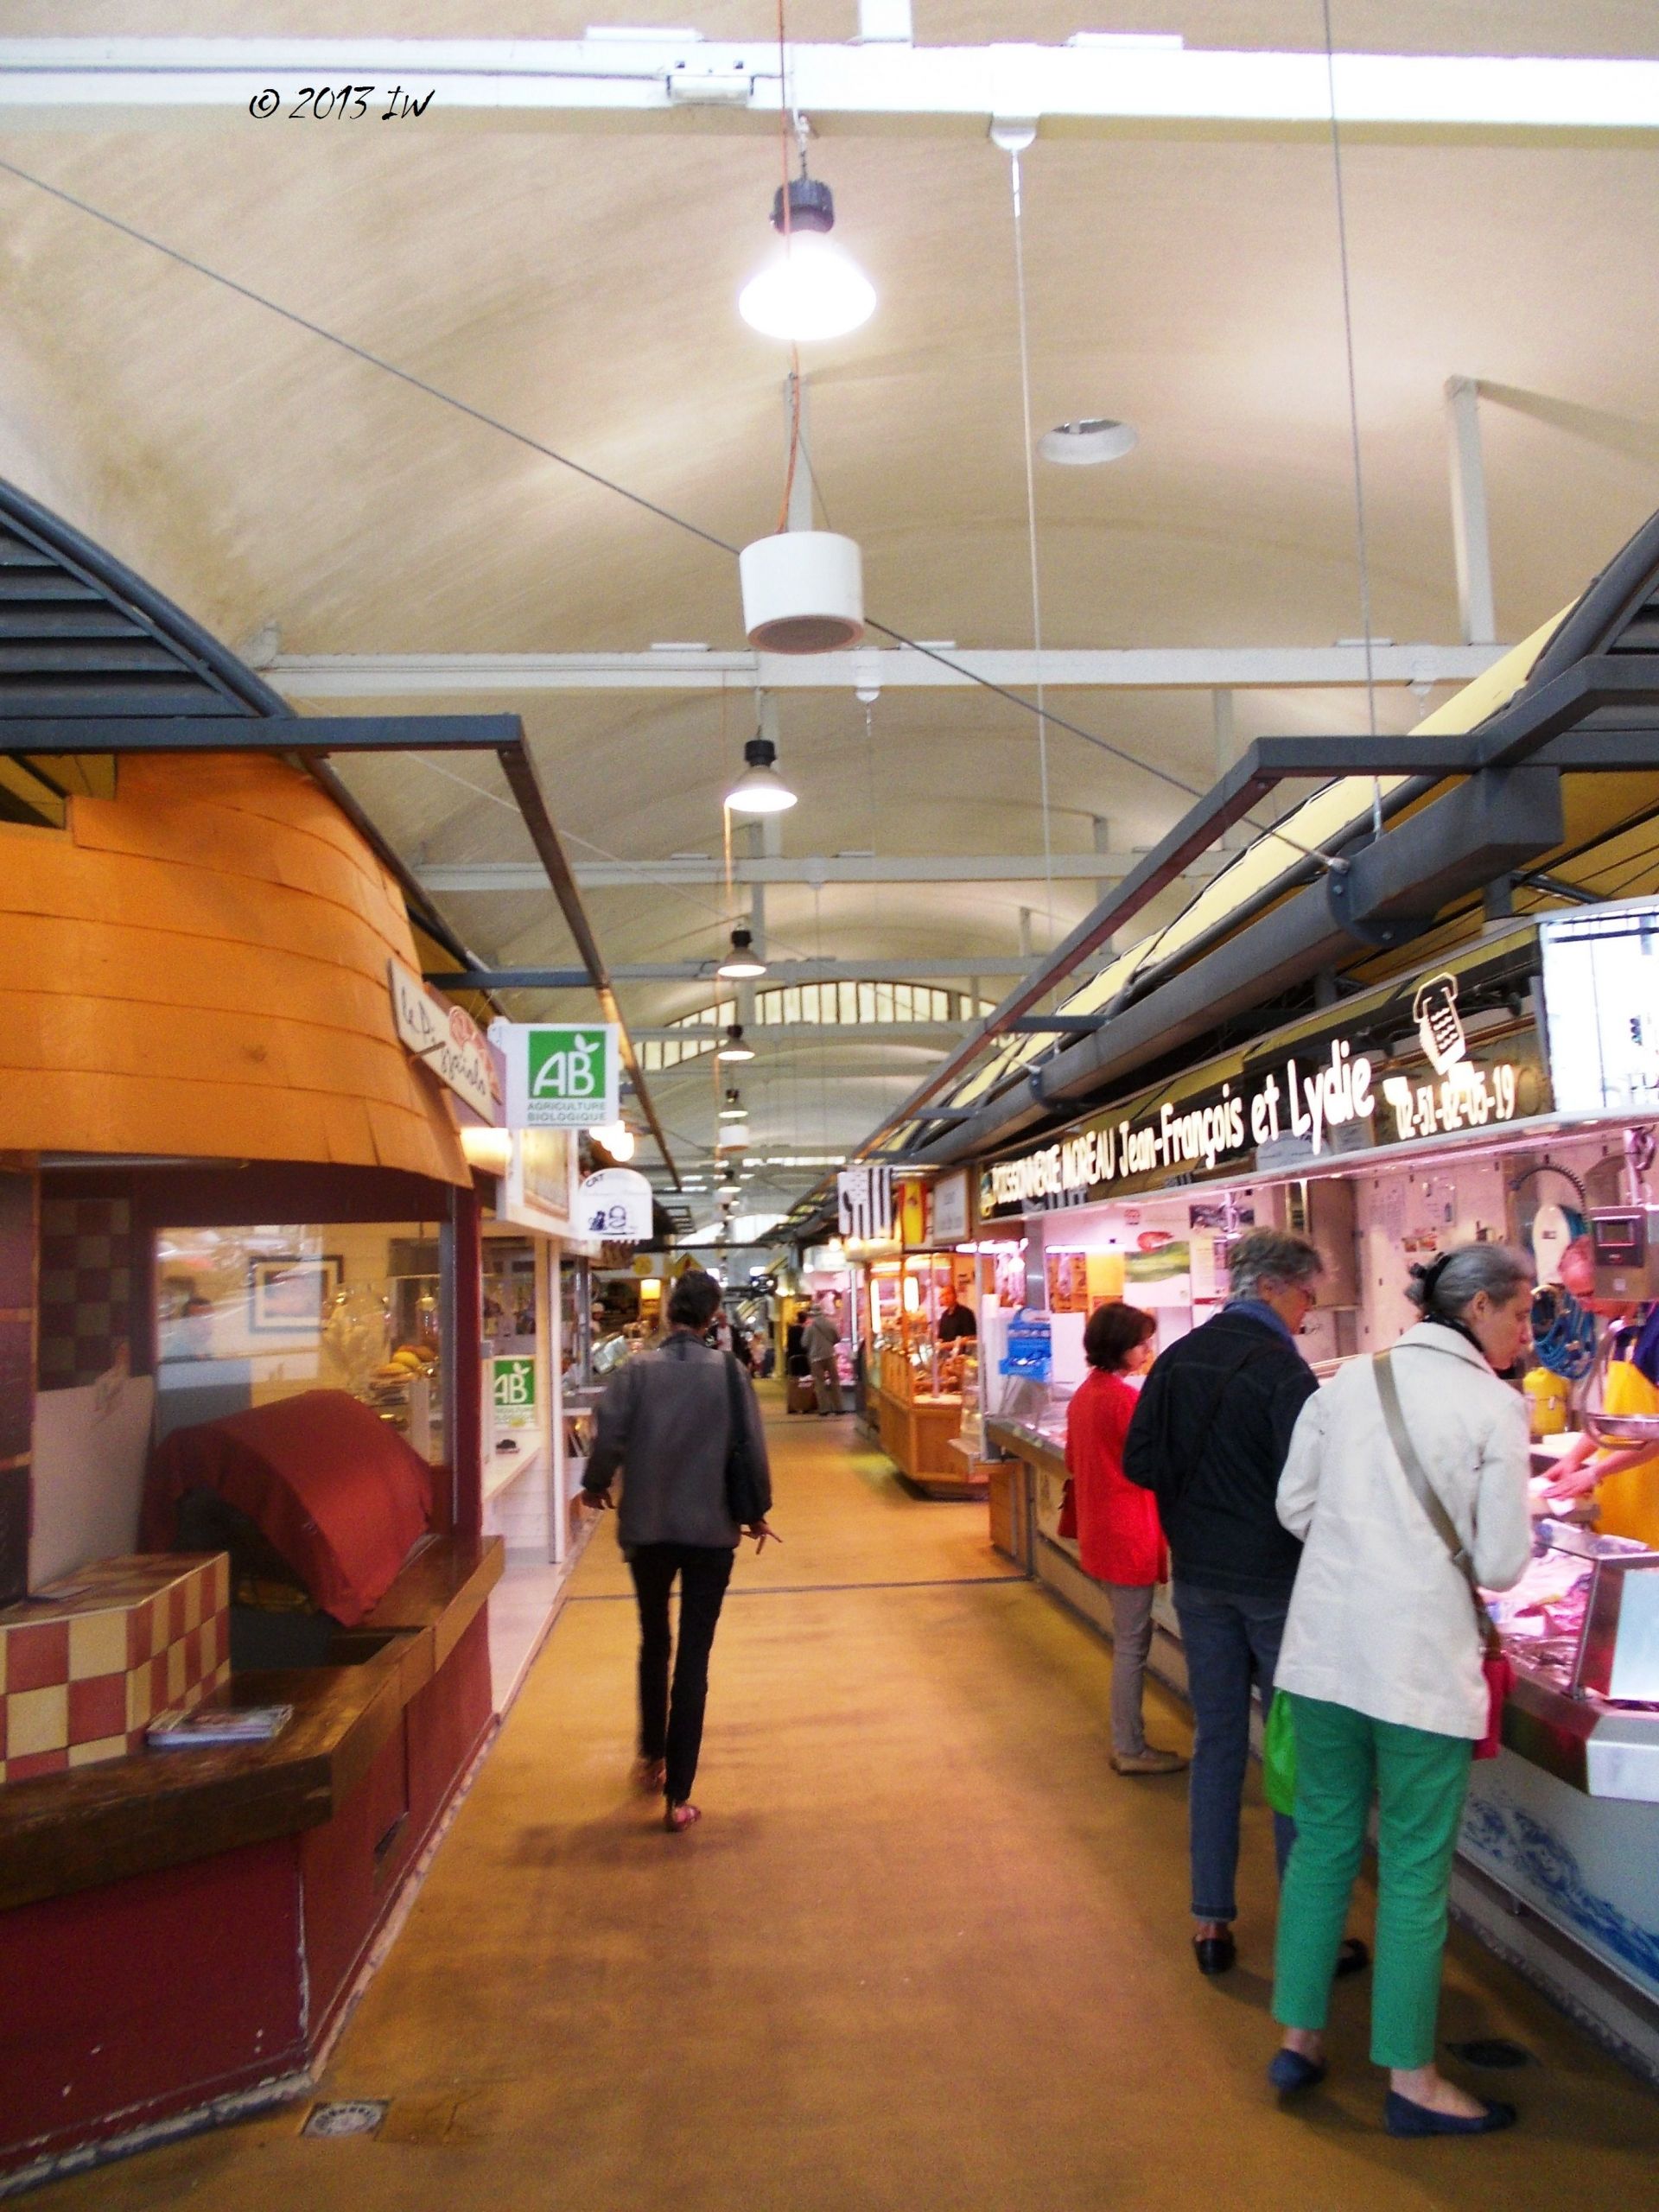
(665, 1422)
(1118, 1537)
(819, 1341)
(1382, 1663)
(1208, 1439)
(956, 1320)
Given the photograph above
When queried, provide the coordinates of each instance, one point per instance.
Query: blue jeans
(1230, 1641)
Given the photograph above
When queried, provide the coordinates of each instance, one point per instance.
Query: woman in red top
(1118, 1535)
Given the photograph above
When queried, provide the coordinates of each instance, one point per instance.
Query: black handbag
(748, 1487)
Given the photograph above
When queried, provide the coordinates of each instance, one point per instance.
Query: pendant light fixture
(732, 1139)
(734, 1048)
(617, 1138)
(734, 1109)
(742, 962)
(759, 789)
(808, 288)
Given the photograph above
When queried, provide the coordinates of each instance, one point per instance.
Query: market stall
(1503, 1094)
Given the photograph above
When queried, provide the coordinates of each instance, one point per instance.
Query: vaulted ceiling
(580, 287)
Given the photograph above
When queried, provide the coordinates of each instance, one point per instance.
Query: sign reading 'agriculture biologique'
(559, 1077)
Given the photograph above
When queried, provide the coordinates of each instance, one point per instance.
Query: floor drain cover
(350, 2116)
(1496, 2051)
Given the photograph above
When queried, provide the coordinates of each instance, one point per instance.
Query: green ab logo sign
(512, 1389)
(562, 1078)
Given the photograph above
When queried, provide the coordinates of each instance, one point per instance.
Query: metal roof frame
(94, 661)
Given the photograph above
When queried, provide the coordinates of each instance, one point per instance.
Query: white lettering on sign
(1298, 1100)
(447, 1039)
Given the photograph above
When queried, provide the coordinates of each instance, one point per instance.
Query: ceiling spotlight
(742, 961)
(734, 1048)
(734, 1109)
(617, 1138)
(808, 288)
(759, 789)
(1090, 439)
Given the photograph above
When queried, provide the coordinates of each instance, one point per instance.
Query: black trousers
(674, 1731)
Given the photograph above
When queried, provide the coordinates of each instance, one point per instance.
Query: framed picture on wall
(288, 1292)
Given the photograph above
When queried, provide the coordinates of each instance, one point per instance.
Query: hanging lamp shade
(742, 962)
(734, 1048)
(803, 592)
(808, 288)
(759, 789)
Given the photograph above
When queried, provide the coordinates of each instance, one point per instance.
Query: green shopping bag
(1279, 1756)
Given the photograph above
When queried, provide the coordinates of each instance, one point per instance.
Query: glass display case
(248, 1314)
(1584, 1619)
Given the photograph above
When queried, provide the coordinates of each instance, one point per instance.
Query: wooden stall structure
(219, 1164)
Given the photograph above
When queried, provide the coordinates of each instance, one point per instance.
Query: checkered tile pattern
(85, 1286)
(93, 1659)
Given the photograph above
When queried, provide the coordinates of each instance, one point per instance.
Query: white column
(1470, 539)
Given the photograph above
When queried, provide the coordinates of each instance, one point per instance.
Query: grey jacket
(665, 1422)
(820, 1335)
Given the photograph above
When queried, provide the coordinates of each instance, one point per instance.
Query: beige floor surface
(925, 1951)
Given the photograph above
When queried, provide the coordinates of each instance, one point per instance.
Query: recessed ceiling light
(1090, 439)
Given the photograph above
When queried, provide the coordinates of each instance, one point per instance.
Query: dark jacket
(665, 1422)
(1208, 1439)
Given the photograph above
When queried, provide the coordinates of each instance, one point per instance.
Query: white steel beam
(1471, 539)
(1155, 668)
(813, 871)
(623, 79)
(848, 1034)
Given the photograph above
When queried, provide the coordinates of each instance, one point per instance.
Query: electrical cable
(479, 415)
(1353, 410)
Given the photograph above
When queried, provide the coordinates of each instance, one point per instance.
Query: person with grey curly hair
(1209, 1437)
(1406, 1481)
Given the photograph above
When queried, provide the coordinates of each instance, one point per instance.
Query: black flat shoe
(1353, 1958)
(1401, 2117)
(1215, 1953)
(1291, 2073)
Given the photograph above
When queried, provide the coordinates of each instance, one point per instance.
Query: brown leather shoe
(1151, 1760)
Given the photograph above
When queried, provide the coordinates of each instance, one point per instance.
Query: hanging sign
(949, 1198)
(449, 1041)
(1338, 1092)
(1601, 991)
(864, 1195)
(561, 1077)
(614, 1203)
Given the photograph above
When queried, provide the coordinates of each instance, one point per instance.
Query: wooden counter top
(103, 1823)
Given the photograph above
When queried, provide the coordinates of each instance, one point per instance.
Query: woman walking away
(1398, 1459)
(666, 1422)
(1118, 1535)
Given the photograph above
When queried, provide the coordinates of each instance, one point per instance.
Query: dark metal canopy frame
(96, 664)
(1476, 815)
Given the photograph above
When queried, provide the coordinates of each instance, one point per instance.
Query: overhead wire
(482, 416)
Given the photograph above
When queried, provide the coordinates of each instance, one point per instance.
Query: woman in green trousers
(1381, 1661)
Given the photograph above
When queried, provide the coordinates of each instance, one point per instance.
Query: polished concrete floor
(925, 1951)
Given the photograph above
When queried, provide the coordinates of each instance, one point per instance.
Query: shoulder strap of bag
(1424, 1492)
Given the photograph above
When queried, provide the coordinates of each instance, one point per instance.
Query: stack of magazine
(218, 1723)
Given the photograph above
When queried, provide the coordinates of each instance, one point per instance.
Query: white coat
(1380, 1618)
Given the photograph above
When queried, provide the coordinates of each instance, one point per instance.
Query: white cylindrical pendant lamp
(803, 592)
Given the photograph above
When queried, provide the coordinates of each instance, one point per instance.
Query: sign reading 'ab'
(561, 1076)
